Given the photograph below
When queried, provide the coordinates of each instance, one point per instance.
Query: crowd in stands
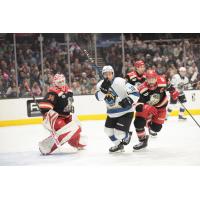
(55, 60)
(164, 56)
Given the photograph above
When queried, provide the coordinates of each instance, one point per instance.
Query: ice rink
(177, 144)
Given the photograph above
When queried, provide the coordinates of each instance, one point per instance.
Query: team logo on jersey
(130, 88)
(63, 96)
(146, 94)
(154, 99)
(110, 98)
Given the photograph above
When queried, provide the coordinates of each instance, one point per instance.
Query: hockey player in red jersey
(151, 106)
(137, 76)
(56, 108)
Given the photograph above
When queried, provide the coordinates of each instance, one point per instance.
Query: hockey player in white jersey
(180, 82)
(119, 97)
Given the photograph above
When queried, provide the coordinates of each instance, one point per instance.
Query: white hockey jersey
(179, 82)
(120, 90)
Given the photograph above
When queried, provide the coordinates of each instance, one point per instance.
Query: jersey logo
(110, 99)
(154, 99)
(146, 94)
(63, 96)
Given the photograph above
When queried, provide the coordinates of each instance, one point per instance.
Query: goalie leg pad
(47, 146)
(77, 140)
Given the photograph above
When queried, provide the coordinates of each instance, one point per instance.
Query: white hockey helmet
(182, 69)
(107, 68)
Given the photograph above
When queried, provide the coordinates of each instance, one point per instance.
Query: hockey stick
(189, 114)
(85, 52)
(53, 118)
(97, 68)
(191, 83)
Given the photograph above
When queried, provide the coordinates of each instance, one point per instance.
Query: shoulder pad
(161, 81)
(130, 88)
(143, 87)
(54, 89)
(99, 84)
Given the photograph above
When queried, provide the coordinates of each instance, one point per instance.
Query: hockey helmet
(107, 68)
(59, 81)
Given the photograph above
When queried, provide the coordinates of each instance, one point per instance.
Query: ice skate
(143, 143)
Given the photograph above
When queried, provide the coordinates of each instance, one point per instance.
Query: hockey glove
(69, 108)
(126, 102)
(109, 97)
(174, 95)
(105, 86)
(150, 109)
(139, 107)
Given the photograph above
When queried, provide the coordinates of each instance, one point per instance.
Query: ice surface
(177, 144)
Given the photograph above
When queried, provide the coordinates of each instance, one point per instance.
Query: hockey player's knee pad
(119, 134)
(110, 133)
(139, 122)
(155, 127)
(181, 109)
(60, 122)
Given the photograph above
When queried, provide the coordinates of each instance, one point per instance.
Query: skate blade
(80, 148)
(145, 149)
(126, 143)
(120, 151)
(153, 136)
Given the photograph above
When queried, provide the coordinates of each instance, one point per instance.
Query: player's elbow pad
(99, 96)
(139, 107)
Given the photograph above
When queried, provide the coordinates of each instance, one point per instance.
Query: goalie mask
(59, 81)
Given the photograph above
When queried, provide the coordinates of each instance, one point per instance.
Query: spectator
(163, 55)
(36, 89)
(11, 91)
